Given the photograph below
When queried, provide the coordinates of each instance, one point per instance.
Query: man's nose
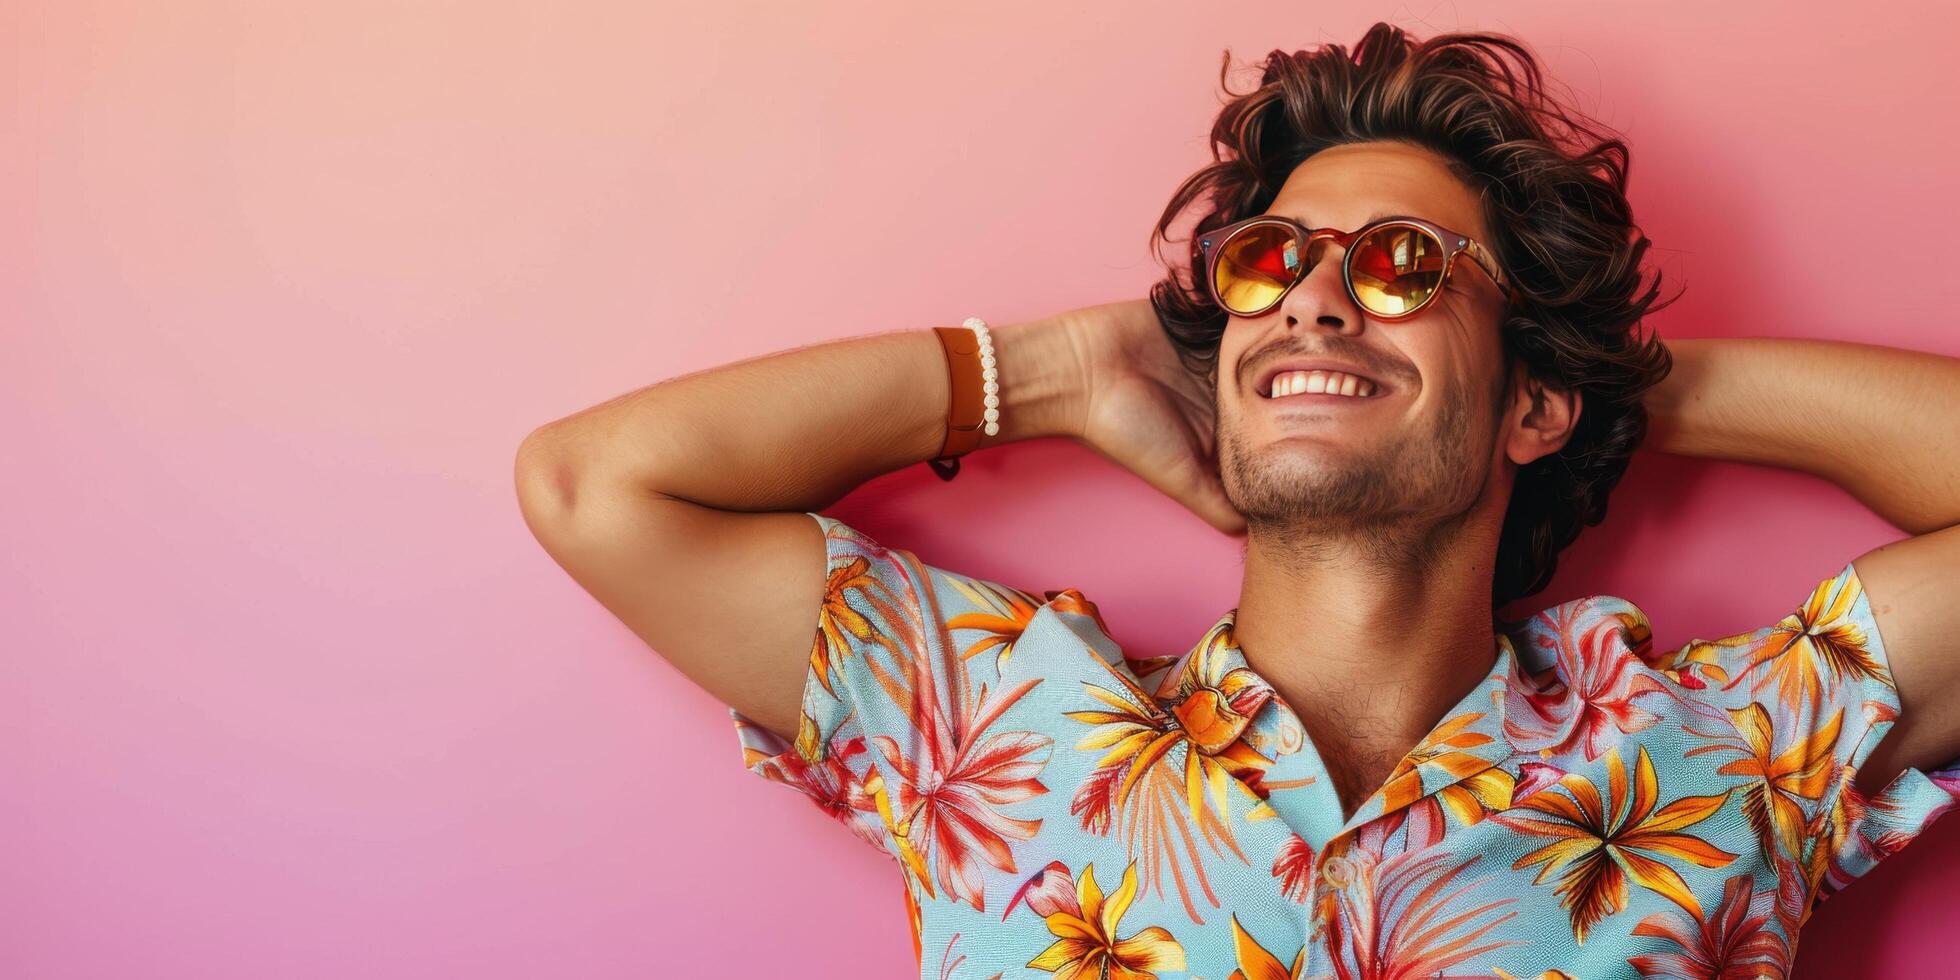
(1321, 296)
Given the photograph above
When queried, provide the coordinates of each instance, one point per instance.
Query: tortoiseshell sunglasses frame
(1213, 242)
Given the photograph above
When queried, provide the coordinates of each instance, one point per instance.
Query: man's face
(1422, 446)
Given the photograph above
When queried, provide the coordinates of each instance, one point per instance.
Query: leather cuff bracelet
(975, 382)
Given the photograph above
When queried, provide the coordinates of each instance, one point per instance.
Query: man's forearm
(798, 429)
(1882, 422)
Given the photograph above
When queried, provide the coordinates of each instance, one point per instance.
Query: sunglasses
(1394, 268)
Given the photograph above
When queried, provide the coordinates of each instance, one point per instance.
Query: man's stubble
(1403, 500)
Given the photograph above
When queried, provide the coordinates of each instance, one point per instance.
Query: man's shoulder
(1603, 646)
(1590, 632)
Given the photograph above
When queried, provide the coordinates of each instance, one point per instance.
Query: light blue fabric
(1593, 806)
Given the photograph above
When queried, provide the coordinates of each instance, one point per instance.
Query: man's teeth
(1320, 382)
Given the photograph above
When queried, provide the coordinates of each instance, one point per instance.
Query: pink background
(290, 691)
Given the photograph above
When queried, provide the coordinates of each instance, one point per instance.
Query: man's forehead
(1352, 184)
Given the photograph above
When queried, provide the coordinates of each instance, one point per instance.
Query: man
(1406, 368)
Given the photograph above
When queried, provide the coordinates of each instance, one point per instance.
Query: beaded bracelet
(972, 375)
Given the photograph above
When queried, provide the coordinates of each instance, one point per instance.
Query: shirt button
(1337, 872)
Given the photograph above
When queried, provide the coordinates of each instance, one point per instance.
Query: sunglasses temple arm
(1490, 267)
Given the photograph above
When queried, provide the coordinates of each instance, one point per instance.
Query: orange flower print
(1781, 774)
(1006, 611)
(1089, 944)
(1479, 789)
(1597, 845)
(1443, 749)
(1256, 963)
(1170, 762)
(1810, 649)
(838, 623)
(1694, 665)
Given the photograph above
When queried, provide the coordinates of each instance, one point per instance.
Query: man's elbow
(546, 482)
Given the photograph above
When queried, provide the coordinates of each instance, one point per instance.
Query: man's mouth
(1332, 384)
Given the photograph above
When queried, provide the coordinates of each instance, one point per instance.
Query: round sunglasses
(1393, 268)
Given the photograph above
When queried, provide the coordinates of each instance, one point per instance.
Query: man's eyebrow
(1371, 219)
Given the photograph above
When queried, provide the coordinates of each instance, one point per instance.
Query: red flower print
(1731, 943)
(954, 783)
(1597, 679)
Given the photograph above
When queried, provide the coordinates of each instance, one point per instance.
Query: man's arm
(679, 505)
(1884, 424)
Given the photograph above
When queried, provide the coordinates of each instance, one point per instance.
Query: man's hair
(1553, 188)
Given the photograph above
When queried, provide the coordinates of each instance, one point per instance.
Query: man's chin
(1316, 446)
(1315, 495)
(1317, 469)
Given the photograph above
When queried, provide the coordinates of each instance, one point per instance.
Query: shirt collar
(1215, 695)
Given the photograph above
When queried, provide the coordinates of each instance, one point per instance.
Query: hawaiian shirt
(1593, 808)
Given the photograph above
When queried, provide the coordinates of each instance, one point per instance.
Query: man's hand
(1146, 411)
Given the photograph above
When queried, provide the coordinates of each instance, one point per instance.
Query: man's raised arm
(679, 506)
(1884, 424)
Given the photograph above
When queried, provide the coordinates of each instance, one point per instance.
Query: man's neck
(1369, 640)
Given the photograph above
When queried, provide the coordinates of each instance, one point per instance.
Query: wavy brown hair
(1553, 187)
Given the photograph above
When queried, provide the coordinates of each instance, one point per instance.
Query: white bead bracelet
(989, 374)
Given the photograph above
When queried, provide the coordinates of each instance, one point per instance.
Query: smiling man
(1405, 363)
(1362, 454)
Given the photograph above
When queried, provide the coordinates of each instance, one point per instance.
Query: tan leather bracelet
(968, 410)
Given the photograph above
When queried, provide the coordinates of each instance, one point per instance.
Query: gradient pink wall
(288, 690)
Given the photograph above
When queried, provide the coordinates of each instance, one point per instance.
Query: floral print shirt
(1594, 808)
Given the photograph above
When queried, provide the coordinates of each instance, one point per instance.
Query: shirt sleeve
(900, 654)
(1856, 833)
(1810, 697)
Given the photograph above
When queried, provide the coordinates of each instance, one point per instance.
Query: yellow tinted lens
(1255, 267)
(1395, 269)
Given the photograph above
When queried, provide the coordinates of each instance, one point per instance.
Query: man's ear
(1541, 419)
